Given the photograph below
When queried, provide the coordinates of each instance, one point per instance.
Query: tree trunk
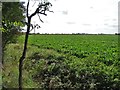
(40, 10)
(23, 54)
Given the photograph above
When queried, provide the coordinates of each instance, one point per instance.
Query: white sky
(79, 16)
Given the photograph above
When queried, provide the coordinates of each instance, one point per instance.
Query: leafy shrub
(83, 75)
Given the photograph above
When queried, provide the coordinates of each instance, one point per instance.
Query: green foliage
(86, 62)
(10, 72)
(2, 29)
(12, 11)
(12, 15)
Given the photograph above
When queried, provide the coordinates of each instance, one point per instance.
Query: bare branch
(50, 11)
(43, 13)
(33, 4)
(40, 18)
(28, 7)
(35, 26)
(32, 26)
(40, 7)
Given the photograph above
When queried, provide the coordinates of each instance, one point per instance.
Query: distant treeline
(67, 34)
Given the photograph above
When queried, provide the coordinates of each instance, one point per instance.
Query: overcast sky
(79, 16)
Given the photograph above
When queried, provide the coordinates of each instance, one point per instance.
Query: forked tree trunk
(40, 10)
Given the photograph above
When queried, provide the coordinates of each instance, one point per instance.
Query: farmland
(65, 61)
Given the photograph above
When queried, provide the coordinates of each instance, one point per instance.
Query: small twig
(33, 4)
(35, 26)
(43, 13)
(40, 18)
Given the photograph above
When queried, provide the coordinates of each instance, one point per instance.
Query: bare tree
(40, 10)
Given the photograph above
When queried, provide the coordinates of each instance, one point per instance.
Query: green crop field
(88, 62)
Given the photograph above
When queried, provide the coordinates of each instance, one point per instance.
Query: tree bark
(23, 54)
